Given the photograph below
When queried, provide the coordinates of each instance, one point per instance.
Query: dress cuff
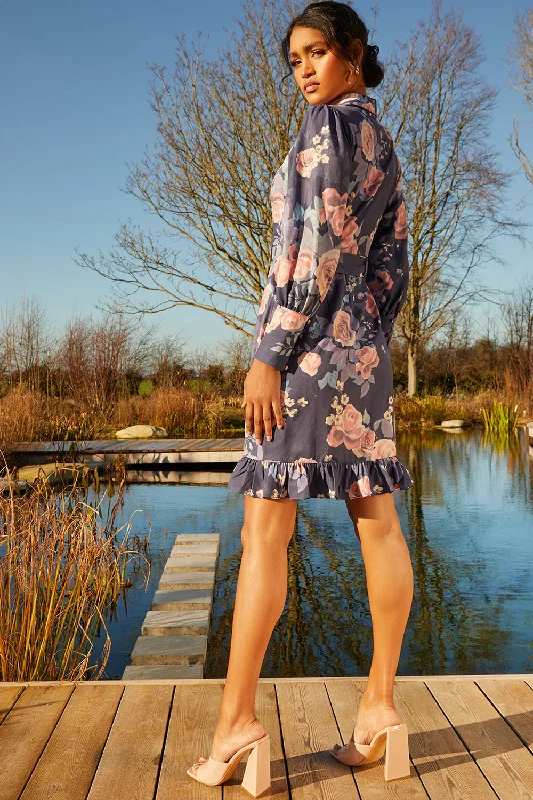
(279, 335)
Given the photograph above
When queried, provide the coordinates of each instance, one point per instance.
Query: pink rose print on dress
(349, 243)
(304, 264)
(360, 488)
(368, 360)
(371, 307)
(368, 143)
(267, 291)
(278, 204)
(284, 271)
(382, 283)
(306, 161)
(367, 441)
(374, 181)
(309, 363)
(326, 269)
(334, 207)
(275, 320)
(342, 329)
(401, 228)
(383, 448)
(348, 429)
(291, 320)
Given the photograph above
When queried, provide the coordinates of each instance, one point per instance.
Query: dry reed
(62, 566)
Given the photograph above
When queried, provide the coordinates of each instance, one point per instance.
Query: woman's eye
(320, 52)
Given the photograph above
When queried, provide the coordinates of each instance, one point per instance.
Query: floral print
(337, 281)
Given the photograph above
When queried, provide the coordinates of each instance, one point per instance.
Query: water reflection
(468, 521)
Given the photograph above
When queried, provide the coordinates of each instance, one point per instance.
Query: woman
(319, 387)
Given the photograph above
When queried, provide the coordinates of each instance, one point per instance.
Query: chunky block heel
(397, 753)
(256, 778)
(392, 740)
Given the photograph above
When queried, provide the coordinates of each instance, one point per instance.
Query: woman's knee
(375, 516)
(268, 521)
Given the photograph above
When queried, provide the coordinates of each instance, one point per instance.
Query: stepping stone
(187, 580)
(160, 650)
(188, 563)
(175, 600)
(169, 671)
(193, 538)
(203, 549)
(175, 623)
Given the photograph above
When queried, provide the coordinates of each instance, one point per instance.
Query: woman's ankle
(236, 722)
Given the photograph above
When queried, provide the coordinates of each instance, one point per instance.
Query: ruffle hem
(334, 480)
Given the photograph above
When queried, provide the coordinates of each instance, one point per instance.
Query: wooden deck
(469, 737)
(137, 452)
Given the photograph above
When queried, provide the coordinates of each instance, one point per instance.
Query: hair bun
(373, 51)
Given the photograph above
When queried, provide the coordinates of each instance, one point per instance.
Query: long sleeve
(308, 213)
(388, 262)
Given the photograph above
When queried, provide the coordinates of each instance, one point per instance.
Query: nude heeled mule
(256, 778)
(392, 740)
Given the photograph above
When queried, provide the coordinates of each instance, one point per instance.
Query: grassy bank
(30, 416)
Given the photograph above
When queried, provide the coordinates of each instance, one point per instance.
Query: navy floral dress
(337, 280)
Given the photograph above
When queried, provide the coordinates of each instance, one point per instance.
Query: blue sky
(75, 113)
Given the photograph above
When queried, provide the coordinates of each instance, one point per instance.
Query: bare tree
(95, 358)
(25, 339)
(224, 126)
(521, 51)
(440, 110)
(517, 315)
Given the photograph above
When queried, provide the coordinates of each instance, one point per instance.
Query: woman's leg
(390, 582)
(260, 598)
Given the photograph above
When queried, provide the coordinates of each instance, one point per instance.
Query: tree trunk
(412, 367)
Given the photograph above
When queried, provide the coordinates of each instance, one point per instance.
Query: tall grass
(500, 417)
(62, 567)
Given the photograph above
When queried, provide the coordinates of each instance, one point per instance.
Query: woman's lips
(311, 87)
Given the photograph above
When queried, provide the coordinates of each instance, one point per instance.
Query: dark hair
(340, 25)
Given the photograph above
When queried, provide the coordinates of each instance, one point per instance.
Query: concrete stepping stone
(206, 550)
(192, 538)
(161, 650)
(168, 600)
(175, 623)
(168, 671)
(185, 563)
(187, 580)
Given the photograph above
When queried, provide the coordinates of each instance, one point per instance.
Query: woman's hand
(262, 394)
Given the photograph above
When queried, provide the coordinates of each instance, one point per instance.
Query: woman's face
(314, 65)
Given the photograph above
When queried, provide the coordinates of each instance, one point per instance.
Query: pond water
(468, 522)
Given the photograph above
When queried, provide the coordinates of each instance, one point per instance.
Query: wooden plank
(309, 730)
(345, 696)
(191, 726)
(266, 708)
(8, 697)
(129, 764)
(69, 761)
(498, 751)
(514, 700)
(25, 732)
(442, 762)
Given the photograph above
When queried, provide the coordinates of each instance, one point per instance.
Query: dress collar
(356, 98)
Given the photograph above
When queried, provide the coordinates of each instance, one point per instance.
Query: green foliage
(146, 387)
(500, 417)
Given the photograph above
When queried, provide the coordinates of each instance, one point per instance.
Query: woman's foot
(228, 739)
(372, 716)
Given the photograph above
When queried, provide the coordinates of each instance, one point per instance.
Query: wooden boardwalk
(469, 737)
(137, 452)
